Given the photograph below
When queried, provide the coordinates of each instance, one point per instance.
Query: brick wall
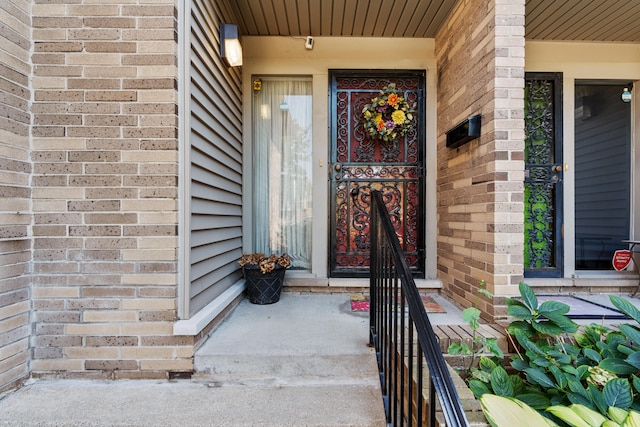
(105, 155)
(480, 60)
(15, 246)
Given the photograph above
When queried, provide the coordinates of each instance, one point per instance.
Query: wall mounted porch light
(626, 94)
(230, 48)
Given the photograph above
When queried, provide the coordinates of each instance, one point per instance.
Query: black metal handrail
(401, 358)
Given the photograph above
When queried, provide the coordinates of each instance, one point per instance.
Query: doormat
(580, 308)
(361, 303)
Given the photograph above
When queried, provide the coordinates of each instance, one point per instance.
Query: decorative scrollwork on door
(361, 164)
(542, 178)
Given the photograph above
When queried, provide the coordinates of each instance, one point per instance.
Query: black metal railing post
(402, 335)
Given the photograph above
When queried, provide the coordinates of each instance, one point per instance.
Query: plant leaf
(483, 376)
(541, 361)
(537, 377)
(617, 392)
(519, 387)
(593, 418)
(454, 348)
(567, 415)
(562, 321)
(527, 343)
(520, 312)
(616, 414)
(508, 412)
(500, 382)
(512, 301)
(486, 364)
(626, 307)
(519, 365)
(485, 292)
(576, 387)
(582, 340)
(478, 388)
(470, 314)
(633, 419)
(582, 372)
(636, 383)
(579, 399)
(522, 326)
(597, 398)
(528, 296)
(561, 379)
(548, 328)
(553, 307)
(492, 345)
(631, 332)
(625, 350)
(617, 366)
(634, 360)
(535, 400)
(593, 355)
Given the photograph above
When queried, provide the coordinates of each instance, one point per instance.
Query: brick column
(105, 158)
(480, 56)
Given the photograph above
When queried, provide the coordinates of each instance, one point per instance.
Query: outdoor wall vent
(464, 132)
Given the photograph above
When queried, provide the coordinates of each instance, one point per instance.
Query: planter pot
(263, 288)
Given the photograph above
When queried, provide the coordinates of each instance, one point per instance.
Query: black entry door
(359, 164)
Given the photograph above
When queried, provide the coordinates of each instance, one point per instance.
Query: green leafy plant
(479, 343)
(556, 365)
(508, 412)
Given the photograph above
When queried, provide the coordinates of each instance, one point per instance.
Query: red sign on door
(621, 259)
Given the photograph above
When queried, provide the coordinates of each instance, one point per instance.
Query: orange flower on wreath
(392, 100)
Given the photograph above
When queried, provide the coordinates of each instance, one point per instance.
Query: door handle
(556, 169)
(354, 193)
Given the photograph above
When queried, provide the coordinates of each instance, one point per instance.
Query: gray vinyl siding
(603, 169)
(216, 159)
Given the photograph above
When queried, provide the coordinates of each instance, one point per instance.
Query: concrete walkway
(303, 361)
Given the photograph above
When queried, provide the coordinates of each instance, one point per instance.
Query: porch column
(480, 61)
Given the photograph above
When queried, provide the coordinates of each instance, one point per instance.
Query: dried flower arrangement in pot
(264, 276)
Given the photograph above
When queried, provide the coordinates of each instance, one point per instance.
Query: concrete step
(301, 361)
(354, 367)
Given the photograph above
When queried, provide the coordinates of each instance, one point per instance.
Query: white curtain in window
(282, 169)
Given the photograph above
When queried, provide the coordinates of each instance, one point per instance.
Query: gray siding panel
(216, 159)
(603, 168)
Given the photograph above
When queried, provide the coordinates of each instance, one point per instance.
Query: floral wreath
(388, 117)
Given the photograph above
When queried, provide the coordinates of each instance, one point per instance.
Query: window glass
(282, 169)
(603, 174)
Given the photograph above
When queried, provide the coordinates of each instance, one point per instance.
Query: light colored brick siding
(480, 60)
(15, 167)
(105, 184)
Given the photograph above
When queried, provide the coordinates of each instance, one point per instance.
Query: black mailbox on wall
(464, 132)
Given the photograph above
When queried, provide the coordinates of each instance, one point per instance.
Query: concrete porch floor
(301, 361)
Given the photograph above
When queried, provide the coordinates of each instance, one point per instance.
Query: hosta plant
(556, 365)
(508, 412)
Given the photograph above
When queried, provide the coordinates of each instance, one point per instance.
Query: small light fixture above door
(230, 48)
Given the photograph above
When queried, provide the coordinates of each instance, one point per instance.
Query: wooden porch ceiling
(579, 20)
